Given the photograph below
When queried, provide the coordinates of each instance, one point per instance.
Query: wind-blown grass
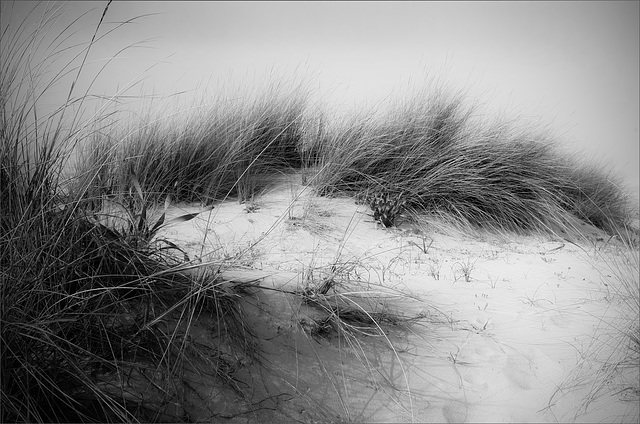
(84, 306)
(97, 312)
(433, 151)
(230, 146)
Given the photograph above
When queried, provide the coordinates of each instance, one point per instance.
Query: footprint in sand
(532, 369)
(519, 374)
(455, 412)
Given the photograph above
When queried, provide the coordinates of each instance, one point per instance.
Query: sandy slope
(520, 338)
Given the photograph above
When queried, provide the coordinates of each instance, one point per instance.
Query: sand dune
(507, 328)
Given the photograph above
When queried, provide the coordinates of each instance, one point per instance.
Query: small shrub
(386, 206)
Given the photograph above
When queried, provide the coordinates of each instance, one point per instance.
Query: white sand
(523, 340)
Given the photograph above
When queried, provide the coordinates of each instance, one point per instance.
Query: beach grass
(226, 147)
(97, 312)
(434, 154)
(95, 318)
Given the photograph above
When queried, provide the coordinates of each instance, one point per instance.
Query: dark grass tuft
(223, 148)
(444, 161)
(94, 318)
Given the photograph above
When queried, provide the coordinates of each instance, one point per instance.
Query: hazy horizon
(572, 65)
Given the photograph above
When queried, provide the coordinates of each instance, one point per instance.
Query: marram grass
(84, 305)
(86, 293)
(433, 152)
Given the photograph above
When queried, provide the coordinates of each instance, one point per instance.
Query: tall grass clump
(433, 151)
(230, 144)
(84, 306)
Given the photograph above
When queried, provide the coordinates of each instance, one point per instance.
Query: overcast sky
(573, 64)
